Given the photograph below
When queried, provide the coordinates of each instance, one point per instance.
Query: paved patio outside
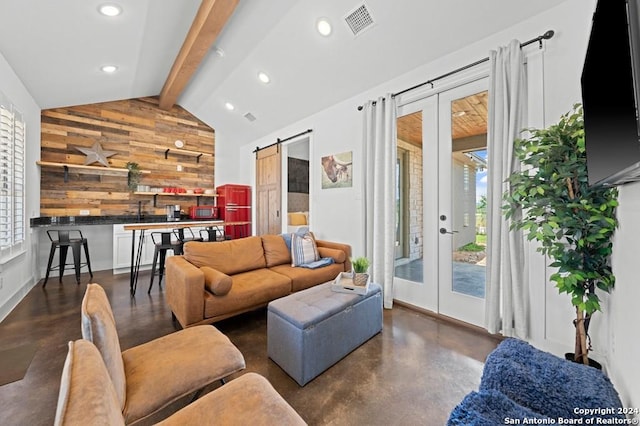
(467, 278)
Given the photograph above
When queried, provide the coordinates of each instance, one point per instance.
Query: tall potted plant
(551, 201)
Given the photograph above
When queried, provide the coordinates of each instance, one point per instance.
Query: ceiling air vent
(250, 116)
(359, 19)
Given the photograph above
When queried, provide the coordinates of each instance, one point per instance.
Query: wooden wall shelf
(186, 152)
(173, 194)
(93, 170)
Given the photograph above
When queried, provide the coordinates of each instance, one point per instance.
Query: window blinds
(12, 153)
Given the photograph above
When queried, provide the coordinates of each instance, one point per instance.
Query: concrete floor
(413, 373)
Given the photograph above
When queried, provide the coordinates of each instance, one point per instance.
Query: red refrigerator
(234, 205)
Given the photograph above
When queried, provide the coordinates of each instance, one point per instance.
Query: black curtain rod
(546, 36)
(278, 141)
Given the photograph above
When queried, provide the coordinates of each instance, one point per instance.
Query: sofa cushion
(275, 250)
(338, 256)
(166, 369)
(99, 327)
(249, 290)
(303, 249)
(302, 278)
(87, 395)
(215, 281)
(248, 400)
(346, 248)
(229, 257)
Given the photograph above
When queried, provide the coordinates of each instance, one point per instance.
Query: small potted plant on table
(360, 267)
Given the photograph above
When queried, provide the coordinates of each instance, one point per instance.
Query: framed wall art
(337, 170)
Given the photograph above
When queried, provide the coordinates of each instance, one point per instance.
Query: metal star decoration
(96, 154)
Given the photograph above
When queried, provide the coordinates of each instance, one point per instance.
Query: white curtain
(379, 143)
(507, 288)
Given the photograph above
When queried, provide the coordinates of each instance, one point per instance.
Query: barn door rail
(279, 141)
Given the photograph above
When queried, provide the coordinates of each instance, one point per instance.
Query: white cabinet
(122, 248)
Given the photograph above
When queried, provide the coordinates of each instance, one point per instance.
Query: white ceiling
(57, 47)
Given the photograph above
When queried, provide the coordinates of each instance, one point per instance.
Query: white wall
(338, 213)
(622, 306)
(18, 273)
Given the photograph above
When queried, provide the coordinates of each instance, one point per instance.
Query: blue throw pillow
(287, 237)
(287, 240)
(303, 249)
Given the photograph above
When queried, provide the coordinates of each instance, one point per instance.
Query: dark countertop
(102, 220)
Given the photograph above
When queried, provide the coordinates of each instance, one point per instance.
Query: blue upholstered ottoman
(309, 331)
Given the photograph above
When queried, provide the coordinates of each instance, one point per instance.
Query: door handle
(444, 231)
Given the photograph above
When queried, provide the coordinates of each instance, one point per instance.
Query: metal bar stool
(184, 235)
(64, 239)
(162, 242)
(213, 233)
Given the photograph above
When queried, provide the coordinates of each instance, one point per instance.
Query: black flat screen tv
(611, 93)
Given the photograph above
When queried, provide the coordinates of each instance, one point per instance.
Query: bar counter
(105, 220)
(108, 243)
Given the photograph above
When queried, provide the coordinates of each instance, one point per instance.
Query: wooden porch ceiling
(469, 119)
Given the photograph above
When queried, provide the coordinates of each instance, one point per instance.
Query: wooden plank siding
(137, 130)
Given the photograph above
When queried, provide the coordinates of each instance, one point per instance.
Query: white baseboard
(13, 301)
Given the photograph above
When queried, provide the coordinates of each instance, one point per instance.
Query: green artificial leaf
(551, 201)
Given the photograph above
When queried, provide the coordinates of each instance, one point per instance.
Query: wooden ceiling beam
(207, 25)
(470, 143)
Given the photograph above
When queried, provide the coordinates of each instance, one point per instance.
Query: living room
(337, 127)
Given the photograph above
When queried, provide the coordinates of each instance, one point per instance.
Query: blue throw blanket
(490, 408)
(318, 263)
(521, 382)
(547, 384)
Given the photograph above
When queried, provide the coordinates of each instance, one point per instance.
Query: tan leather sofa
(212, 281)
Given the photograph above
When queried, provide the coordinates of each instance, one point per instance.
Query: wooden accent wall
(138, 131)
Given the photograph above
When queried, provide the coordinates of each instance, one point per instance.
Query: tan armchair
(148, 377)
(88, 397)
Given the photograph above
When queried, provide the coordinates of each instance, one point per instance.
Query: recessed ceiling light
(263, 77)
(110, 9)
(109, 68)
(229, 106)
(323, 26)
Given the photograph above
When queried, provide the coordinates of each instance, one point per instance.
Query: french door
(444, 271)
(462, 148)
